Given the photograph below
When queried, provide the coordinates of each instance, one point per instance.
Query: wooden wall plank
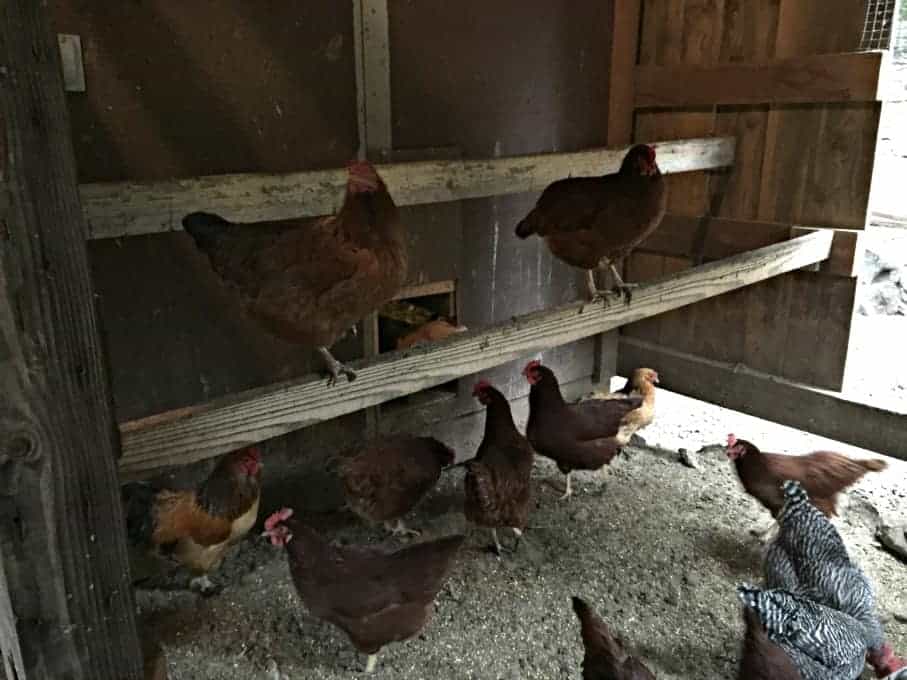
(131, 208)
(197, 433)
(766, 396)
(848, 77)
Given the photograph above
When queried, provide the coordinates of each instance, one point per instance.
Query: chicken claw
(621, 287)
(399, 529)
(334, 367)
(568, 490)
(371, 663)
(204, 585)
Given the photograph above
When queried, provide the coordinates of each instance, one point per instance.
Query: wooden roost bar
(764, 118)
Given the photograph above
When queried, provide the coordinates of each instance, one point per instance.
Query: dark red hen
(496, 486)
(762, 659)
(591, 221)
(582, 436)
(309, 281)
(375, 596)
(606, 658)
(390, 476)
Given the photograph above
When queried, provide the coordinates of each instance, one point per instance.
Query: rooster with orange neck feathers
(196, 527)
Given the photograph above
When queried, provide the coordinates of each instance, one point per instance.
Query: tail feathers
(138, 506)
(874, 464)
(527, 225)
(205, 228)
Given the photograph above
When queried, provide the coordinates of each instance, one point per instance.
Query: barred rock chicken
(309, 281)
(376, 597)
(822, 642)
(808, 557)
(431, 331)
(762, 659)
(496, 486)
(591, 221)
(195, 527)
(391, 475)
(824, 474)
(606, 658)
(641, 383)
(582, 436)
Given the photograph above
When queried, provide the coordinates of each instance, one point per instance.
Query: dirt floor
(657, 547)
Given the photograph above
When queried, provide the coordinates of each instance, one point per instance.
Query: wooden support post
(624, 46)
(373, 91)
(66, 605)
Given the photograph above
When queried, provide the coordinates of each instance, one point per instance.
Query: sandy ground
(657, 547)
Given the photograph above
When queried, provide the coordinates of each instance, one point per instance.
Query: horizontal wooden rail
(121, 209)
(821, 412)
(200, 432)
(821, 78)
(706, 238)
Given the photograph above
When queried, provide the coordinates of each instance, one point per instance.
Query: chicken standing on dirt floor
(310, 281)
(606, 658)
(195, 527)
(497, 483)
(430, 331)
(592, 221)
(640, 384)
(582, 436)
(824, 474)
(760, 658)
(809, 558)
(823, 643)
(391, 475)
(375, 596)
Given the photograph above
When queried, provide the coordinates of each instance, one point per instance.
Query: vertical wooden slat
(624, 48)
(67, 609)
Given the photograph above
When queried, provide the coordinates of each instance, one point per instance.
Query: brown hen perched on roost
(592, 221)
(309, 281)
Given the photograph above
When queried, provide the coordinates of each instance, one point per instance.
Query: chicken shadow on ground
(740, 553)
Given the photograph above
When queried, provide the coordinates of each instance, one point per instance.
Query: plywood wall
(804, 164)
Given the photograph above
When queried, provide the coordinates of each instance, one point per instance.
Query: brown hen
(641, 383)
(592, 221)
(391, 475)
(823, 474)
(605, 658)
(196, 527)
(762, 659)
(496, 486)
(582, 436)
(309, 281)
(375, 596)
(430, 331)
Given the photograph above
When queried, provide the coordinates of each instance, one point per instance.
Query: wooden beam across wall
(120, 209)
(821, 78)
(197, 433)
(824, 413)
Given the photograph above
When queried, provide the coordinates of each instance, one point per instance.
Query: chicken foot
(497, 549)
(334, 367)
(399, 529)
(621, 287)
(371, 663)
(204, 585)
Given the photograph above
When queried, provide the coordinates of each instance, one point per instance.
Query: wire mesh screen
(878, 25)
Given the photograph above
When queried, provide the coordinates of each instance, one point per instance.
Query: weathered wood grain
(132, 208)
(67, 609)
(207, 430)
(821, 412)
(823, 78)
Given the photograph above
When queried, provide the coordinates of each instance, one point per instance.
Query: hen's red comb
(535, 363)
(480, 387)
(277, 518)
(731, 440)
(254, 451)
(651, 153)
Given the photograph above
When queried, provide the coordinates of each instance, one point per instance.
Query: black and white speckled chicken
(809, 558)
(823, 643)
